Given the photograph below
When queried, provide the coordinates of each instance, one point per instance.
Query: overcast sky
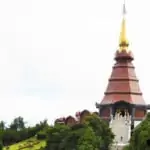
(56, 55)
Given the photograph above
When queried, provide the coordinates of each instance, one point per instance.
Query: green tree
(101, 129)
(79, 137)
(93, 134)
(56, 136)
(18, 124)
(10, 137)
(89, 140)
(141, 135)
(2, 125)
(1, 146)
(127, 147)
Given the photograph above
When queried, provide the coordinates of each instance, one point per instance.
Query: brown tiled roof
(123, 84)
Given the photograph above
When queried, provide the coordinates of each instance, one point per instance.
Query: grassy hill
(29, 144)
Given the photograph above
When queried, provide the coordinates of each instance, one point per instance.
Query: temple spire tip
(123, 41)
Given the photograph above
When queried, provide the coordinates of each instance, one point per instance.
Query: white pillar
(129, 132)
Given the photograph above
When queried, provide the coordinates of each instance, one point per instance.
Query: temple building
(79, 118)
(122, 105)
(123, 94)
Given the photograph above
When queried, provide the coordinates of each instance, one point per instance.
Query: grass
(29, 144)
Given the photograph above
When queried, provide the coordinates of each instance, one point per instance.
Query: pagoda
(123, 92)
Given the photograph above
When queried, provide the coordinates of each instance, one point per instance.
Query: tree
(56, 136)
(101, 129)
(18, 124)
(10, 136)
(1, 146)
(80, 136)
(44, 123)
(2, 125)
(127, 147)
(89, 140)
(141, 135)
(93, 134)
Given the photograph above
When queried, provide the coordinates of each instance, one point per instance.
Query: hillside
(29, 144)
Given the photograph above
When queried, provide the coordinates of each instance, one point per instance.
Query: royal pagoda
(123, 93)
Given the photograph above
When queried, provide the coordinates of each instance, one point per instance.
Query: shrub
(1, 146)
(127, 147)
(41, 135)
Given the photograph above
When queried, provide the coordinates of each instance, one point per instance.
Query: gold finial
(123, 41)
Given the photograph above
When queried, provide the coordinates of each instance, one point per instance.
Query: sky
(56, 55)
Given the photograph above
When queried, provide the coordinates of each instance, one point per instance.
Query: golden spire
(123, 41)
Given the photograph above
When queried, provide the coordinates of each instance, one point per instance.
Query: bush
(127, 147)
(1, 146)
(41, 135)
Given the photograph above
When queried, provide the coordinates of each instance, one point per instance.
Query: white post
(129, 132)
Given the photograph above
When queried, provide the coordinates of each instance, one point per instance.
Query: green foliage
(41, 135)
(29, 144)
(2, 125)
(140, 135)
(1, 146)
(127, 147)
(100, 128)
(17, 124)
(18, 132)
(91, 135)
(56, 136)
(88, 141)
